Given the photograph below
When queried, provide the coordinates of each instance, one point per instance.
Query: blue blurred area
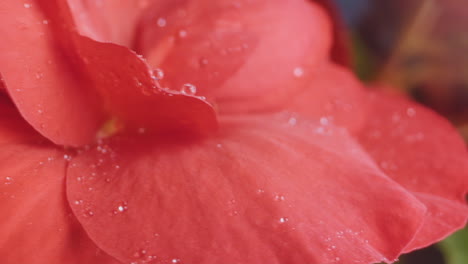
(352, 10)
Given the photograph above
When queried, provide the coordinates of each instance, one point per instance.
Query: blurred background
(419, 48)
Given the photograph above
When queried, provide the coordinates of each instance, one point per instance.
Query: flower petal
(262, 191)
(102, 20)
(330, 94)
(425, 154)
(36, 224)
(235, 50)
(40, 77)
(131, 93)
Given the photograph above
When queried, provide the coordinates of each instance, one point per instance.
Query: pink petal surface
(425, 154)
(235, 52)
(40, 76)
(330, 94)
(108, 20)
(36, 224)
(262, 191)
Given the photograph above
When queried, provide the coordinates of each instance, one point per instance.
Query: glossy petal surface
(40, 76)
(235, 51)
(262, 191)
(36, 224)
(425, 154)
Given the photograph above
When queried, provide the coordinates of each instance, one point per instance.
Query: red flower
(289, 160)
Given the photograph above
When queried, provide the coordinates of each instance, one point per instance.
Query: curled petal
(235, 50)
(40, 76)
(132, 94)
(424, 153)
(36, 224)
(262, 191)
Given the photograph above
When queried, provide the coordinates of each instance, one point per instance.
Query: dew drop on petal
(158, 74)
(279, 197)
(292, 121)
(182, 34)
(39, 75)
(411, 112)
(26, 5)
(161, 22)
(283, 220)
(298, 72)
(89, 213)
(203, 62)
(324, 121)
(189, 89)
(8, 180)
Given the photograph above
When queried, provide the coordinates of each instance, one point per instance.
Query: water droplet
(260, 191)
(337, 259)
(292, 121)
(411, 112)
(298, 72)
(141, 130)
(161, 22)
(45, 22)
(203, 62)
(233, 213)
(324, 121)
(219, 145)
(138, 82)
(279, 197)
(39, 75)
(89, 213)
(40, 111)
(283, 220)
(189, 89)
(158, 74)
(67, 157)
(26, 5)
(8, 180)
(175, 260)
(182, 33)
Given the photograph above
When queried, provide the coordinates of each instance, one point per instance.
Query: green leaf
(455, 248)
